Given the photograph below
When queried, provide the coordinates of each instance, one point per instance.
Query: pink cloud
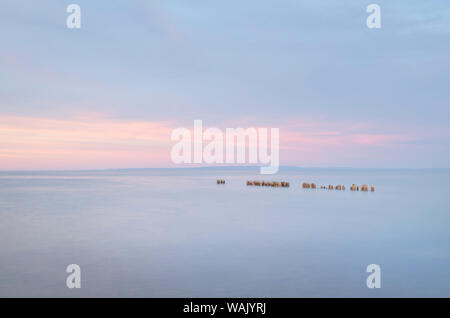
(93, 142)
(318, 142)
(32, 143)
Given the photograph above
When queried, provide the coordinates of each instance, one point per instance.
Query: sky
(109, 95)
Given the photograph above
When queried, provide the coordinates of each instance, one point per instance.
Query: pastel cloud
(313, 142)
(94, 142)
(40, 143)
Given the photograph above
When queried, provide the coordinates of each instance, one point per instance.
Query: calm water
(175, 233)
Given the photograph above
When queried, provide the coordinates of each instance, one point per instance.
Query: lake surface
(176, 233)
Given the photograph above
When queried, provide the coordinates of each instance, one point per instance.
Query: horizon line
(222, 167)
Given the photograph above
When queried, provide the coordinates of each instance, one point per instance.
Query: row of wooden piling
(276, 184)
(364, 187)
(284, 184)
(354, 187)
(329, 187)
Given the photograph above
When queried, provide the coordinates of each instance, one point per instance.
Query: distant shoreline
(218, 168)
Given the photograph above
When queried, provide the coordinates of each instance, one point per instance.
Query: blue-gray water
(175, 233)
